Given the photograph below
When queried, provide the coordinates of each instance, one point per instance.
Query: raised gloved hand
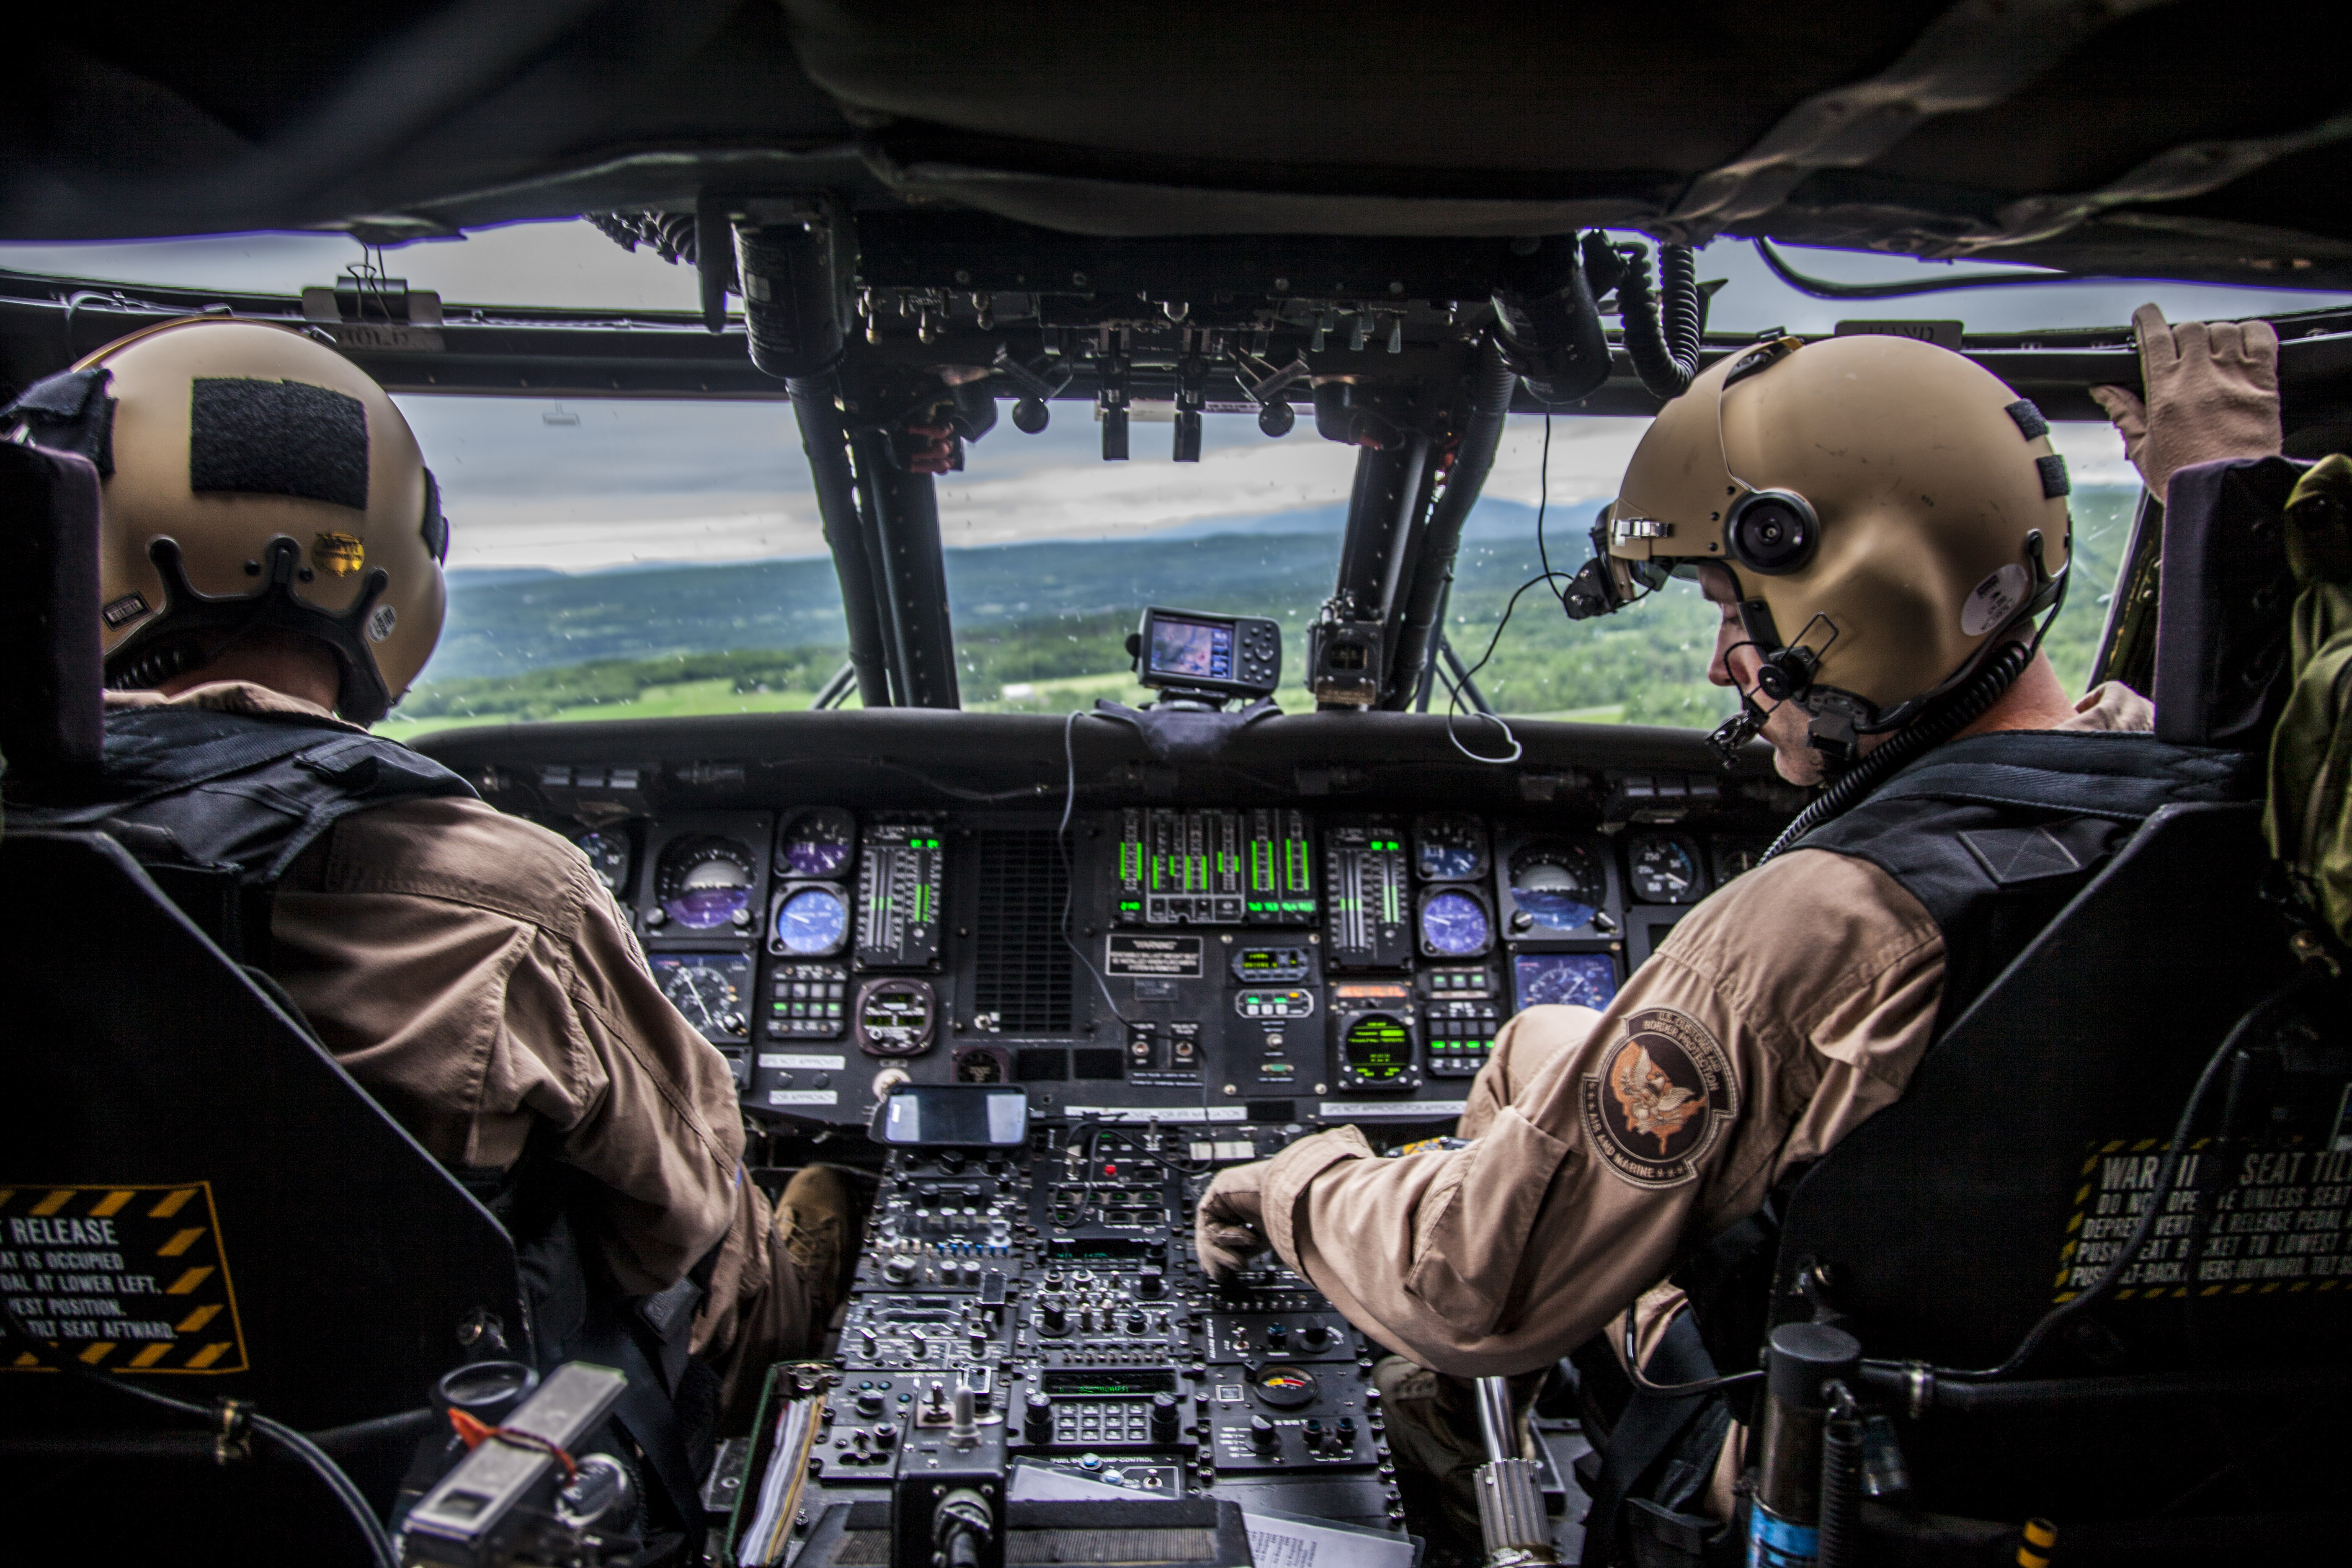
(1229, 1227)
(2212, 393)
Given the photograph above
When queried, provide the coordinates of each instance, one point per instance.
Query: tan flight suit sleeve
(470, 971)
(1777, 1015)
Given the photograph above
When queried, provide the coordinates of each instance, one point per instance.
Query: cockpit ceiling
(2197, 139)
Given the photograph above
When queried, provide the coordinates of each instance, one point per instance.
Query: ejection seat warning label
(122, 1278)
(2237, 1221)
(1171, 957)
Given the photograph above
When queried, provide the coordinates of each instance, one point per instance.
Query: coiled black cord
(1963, 707)
(1840, 1537)
(1665, 355)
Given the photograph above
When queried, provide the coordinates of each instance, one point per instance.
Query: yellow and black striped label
(124, 1278)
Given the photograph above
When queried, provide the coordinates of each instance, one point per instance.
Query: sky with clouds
(588, 485)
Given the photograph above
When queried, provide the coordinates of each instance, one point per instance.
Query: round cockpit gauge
(706, 883)
(1284, 1386)
(1455, 924)
(1557, 885)
(1376, 1052)
(811, 921)
(1564, 979)
(1448, 847)
(1664, 871)
(818, 842)
(707, 988)
(608, 855)
(896, 1017)
(1734, 857)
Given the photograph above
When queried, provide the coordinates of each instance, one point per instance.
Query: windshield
(618, 558)
(622, 559)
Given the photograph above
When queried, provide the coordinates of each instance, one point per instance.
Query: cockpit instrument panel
(1567, 979)
(1555, 886)
(821, 841)
(710, 989)
(898, 1018)
(901, 882)
(1664, 869)
(1366, 891)
(1449, 847)
(609, 857)
(1252, 963)
(705, 883)
(811, 920)
(1375, 1046)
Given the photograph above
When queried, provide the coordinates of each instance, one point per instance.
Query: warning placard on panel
(2239, 1221)
(129, 1278)
(1175, 957)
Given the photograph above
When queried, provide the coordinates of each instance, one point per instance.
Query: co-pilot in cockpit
(1654, 909)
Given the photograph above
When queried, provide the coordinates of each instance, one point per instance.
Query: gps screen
(1201, 649)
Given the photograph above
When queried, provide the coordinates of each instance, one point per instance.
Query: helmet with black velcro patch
(250, 478)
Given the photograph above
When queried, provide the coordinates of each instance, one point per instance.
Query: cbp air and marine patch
(1659, 1098)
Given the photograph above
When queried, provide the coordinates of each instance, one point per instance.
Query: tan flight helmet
(251, 476)
(1891, 511)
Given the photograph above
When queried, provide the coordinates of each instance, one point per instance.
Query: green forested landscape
(1039, 627)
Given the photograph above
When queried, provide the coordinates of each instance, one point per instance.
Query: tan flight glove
(2212, 393)
(1229, 1229)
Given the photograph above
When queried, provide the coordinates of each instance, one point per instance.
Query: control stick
(1510, 1499)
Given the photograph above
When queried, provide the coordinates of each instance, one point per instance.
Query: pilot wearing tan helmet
(271, 547)
(1885, 527)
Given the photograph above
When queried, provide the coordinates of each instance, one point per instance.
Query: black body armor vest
(217, 806)
(1993, 834)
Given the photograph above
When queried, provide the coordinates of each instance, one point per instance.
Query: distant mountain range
(509, 620)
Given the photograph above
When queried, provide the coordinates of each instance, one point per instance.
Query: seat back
(194, 1196)
(213, 1204)
(49, 718)
(2018, 1160)
(2221, 674)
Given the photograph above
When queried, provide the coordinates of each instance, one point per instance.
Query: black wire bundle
(1665, 353)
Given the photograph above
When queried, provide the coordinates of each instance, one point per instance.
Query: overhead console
(835, 910)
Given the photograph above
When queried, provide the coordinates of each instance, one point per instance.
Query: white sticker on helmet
(380, 624)
(1993, 601)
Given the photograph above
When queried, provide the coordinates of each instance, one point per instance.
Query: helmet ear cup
(1773, 532)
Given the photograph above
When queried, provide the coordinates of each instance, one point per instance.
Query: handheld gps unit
(1188, 654)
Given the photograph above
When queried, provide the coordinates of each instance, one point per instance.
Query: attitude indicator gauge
(1449, 847)
(1557, 885)
(811, 920)
(819, 842)
(705, 884)
(1664, 870)
(707, 988)
(1455, 923)
(608, 855)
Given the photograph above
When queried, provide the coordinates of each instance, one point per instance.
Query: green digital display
(1378, 1046)
(1104, 1249)
(1096, 1385)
